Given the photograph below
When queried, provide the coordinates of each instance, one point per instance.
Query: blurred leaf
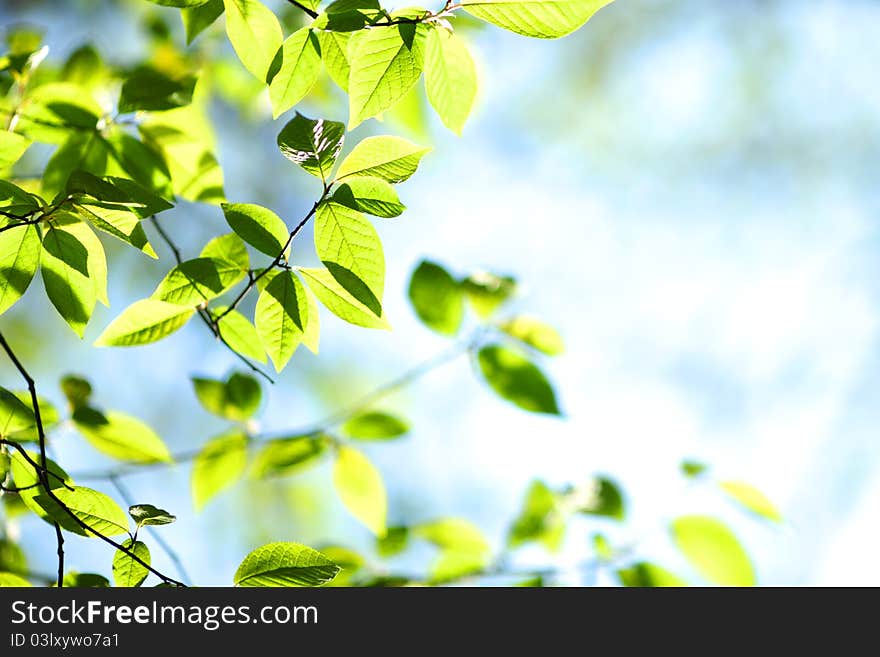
(393, 543)
(374, 425)
(75, 580)
(289, 455)
(390, 158)
(84, 67)
(713, 550)
(121, 436)
(144, 321)
(644, 574)
(539, 520)
(127, 572)
(450, 78)
(77, 390)
(25, 477)
(255, 35)
(544, 19)
(370, 195)
(349, 562)
(436, 298)
(314, 144)
(455, 564)
(15, 415)
(693, 469)
(285, 564)
(229, 247)
(487, 292)
(751, 499)
(361, 489)
(261, 228)
(236, 399)
(453, 534)
(12, 557)
(298, 72)
(385, 62)
(219, 464)
(281, 317)
(12, 147)
(601, 497)
(147, 88)
(514, 378)
(535, 333)
(11, 580)
(148, 515)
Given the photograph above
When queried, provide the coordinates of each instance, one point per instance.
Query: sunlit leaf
(219, 464)
(375, 425)
(751, 499)
(544, 19)
(437, 298)
(450, 78)
(285, 564)
(370, 195)
(513, 377)
(143, 322)
(713, 550)
(127, 572)
(535, 333)
(298, 71)
(313, 144)
(255, 35)
(361, 489)
(120, 435)
(389, 158)
(281, 317)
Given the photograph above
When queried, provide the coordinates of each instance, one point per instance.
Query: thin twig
(311, 12)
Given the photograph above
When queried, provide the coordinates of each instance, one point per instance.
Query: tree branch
(311, 12)
(43, 474)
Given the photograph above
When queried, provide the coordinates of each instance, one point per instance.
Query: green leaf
(19, 259)
(349, 247)
(371, 195)
(236, 399)
(179, 3)
(77, 390)
(229, 247)
(240, 334)
(255, 35)
(513, 377)
(148, 515)
(281, 317)
(487, 292)
(147, 88)
(437, 298)
(53, 109)
(751, 499)
(139, 161)
(713, 550)
(114, 191)
(12, 557)
(339, 301)
(534, 333)
(121, 436)
(119, 222)
(127, 572)
(334, 52)
(454, 534)
(601, 497)
(348, 560)
(544, 19)
(648, 575)
(314, 144)
(25, 477)
(12, 147)
(312, 335)
(450, 78)
(285, 564)
(360, 488)
(16, 200)
(11, 580)
(261, 228)
(393, 543)
(75, 580)
(539, 520)
(693, 469)
(385, 63)
(197, 19)
(345, 16)
(74, 272)
(15, 415)
(144, 321)
(93, 508)
(193, 282)
(48, 414)
(281, 457)
(219, 464)
(374, 425)
(391, 158)
(298, 72)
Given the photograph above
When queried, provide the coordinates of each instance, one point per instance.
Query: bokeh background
(686, 188)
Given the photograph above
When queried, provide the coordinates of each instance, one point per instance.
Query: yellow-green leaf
(450, 78)
(255, 35)
(121, 436)
(713, 550)
(390, 158)
(751, 499)
(544, 19)
(300, 66)
(361, 489)
(143, 322)
(281, 317)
